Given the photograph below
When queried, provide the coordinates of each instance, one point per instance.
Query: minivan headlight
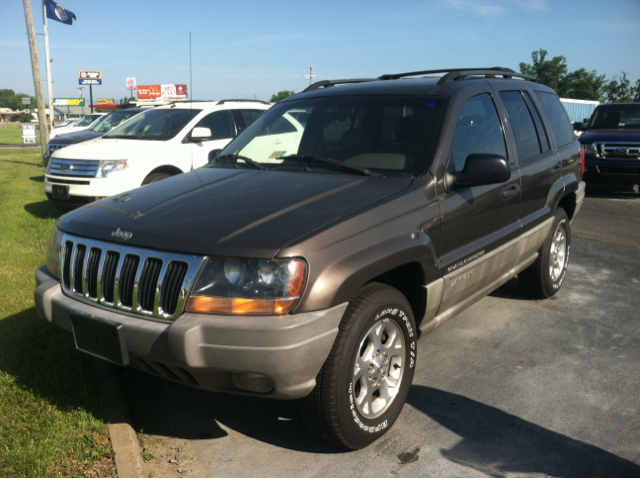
(53, 253)
(111, 166)
(240, 286)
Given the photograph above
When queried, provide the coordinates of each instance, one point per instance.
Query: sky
(253, 49)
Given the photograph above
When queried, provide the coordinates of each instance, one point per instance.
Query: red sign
(146, 92)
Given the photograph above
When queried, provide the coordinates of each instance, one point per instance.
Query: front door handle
(511, 191)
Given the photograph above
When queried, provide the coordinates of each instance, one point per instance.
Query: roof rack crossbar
(222, 102)
(462, 75)
(329, 83)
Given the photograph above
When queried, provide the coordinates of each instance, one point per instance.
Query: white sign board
(29, 135)
(26, 101)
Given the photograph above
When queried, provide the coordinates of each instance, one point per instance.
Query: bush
(26, 118)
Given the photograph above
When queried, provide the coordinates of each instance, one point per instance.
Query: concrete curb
(124, 440)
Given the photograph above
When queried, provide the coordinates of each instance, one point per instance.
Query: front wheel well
(409, 280)
(168, 169)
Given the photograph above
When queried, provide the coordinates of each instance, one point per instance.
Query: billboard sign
(131, 83)
(68, 102)
(149, 92)
(29, 135)
(89, 77)
(105, 101)
(26, 101)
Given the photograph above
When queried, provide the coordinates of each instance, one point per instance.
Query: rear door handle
(510, 191)
(555, 169)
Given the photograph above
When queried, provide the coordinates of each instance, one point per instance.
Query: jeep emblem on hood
(124, 235)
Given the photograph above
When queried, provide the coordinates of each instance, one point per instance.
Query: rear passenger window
(478, 131)
(558, 119)
(542, 134)
(522, 125)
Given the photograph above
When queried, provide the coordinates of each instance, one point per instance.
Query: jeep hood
(229, 212)
(591, 136)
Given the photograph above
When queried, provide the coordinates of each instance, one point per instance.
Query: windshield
(158, 124)
(110, 121)
(617, 117)
(390, 134)
(87, 120)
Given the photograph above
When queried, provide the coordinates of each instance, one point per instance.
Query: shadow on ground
(165, 408)
(37, 179)
(40, 165)
(619, 192)
(43, 209)
(42, 358)
(497, 443)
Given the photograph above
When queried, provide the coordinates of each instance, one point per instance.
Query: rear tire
(544, 278)
(153, 177)
(363, 384)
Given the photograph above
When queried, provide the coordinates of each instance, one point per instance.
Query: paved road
(510, 387)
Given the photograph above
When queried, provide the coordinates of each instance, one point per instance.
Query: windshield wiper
(330, 161)
(248, 161)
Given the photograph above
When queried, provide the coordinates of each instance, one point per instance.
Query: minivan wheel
(153, 177)
(544, 278)
(364, 382)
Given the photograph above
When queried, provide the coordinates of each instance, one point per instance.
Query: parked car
(611, 143)
(98, 128)
(156, 144)
(308, 274)
(66, 123)
(80, 125)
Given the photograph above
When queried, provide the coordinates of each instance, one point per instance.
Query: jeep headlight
(53, 253)
(239, 286)
(111, 166)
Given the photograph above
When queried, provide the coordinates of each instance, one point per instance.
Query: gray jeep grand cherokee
(303, 261)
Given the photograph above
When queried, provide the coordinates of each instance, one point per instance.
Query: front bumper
(612, 171)
(214, 352)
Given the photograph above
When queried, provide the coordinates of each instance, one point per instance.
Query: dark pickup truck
(305, 259)
(611, 143)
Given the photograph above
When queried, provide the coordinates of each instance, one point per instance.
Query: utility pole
(48, 62)
(81, 97)
(310, 76)
(37, 79)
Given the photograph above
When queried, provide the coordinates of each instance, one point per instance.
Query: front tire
(544, 278)
(363, 384)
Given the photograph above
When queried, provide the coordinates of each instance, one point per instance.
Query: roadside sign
(131, 83)
(146, 92)
(26, 101)
(89, 77)
(68, 102)
(29, 135)
(105, 101)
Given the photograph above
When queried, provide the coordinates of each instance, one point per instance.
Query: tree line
(13, 100)
(580, 84)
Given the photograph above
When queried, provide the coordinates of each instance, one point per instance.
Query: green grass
(12, 134)
(51, 421)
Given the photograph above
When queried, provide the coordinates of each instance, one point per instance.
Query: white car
(83, 124)
(151, 146)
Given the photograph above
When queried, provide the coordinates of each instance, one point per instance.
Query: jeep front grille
(145, 282)
(624, 150)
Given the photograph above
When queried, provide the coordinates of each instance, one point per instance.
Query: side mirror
(578, 126)
(481, 169)
(200, 134)
(213, 154)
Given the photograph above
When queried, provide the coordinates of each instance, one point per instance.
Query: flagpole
(48, 60)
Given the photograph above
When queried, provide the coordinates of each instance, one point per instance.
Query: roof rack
(328, 83)
(222, 102)
(451, 75)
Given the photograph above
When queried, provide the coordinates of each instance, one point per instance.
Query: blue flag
(57, 12)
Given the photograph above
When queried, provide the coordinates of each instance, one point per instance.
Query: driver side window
(478, 131)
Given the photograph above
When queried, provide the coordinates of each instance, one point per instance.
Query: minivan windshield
(156, 125)
(626, 117)
(110, 121)
(387, 134)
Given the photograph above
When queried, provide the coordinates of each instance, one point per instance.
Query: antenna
(310, 76)
(190, 71)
